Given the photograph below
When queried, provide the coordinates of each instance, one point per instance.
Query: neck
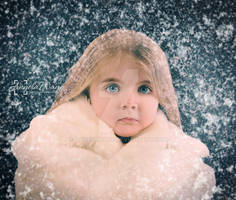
(124, 140)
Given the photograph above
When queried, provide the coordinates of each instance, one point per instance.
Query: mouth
(128, 120)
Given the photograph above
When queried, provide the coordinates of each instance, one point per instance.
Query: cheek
(149, 111)
(106, 112)
(99, 106)
(102, 107)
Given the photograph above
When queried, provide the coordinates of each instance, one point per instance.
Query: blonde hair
(135, 43)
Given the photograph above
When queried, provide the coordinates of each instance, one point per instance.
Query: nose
(129, 106)
(129, 101)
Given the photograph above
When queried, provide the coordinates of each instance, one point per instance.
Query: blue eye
(144, 89)
(112, 88)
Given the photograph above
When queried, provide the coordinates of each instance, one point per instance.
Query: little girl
(105, 136)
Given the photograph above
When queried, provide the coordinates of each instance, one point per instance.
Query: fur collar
(101, 138)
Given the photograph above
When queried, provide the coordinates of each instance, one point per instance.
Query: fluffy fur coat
(71, 154)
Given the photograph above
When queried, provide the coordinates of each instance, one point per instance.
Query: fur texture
(72, 141)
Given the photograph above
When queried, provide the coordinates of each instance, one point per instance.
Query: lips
(128, 120)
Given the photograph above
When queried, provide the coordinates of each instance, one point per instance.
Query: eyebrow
(117, 80)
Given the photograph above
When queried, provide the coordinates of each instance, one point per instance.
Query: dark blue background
(41, 40)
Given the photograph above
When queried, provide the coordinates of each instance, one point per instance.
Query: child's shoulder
(187, 143)
(76, 110)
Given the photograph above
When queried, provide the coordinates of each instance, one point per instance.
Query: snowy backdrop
(41, 39)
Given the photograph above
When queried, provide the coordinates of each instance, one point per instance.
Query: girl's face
(121, 95)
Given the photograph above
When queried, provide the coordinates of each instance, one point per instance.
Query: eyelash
(112, 84)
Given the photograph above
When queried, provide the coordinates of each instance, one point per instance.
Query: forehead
(120, 65)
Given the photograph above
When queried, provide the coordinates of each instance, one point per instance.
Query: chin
(126, 133)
